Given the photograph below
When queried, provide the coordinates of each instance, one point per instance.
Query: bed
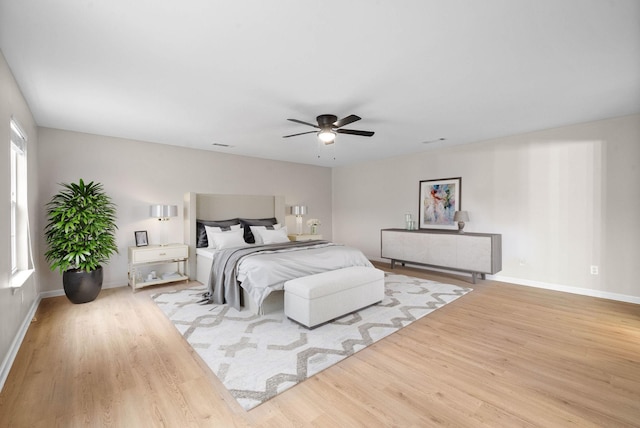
(262, 275)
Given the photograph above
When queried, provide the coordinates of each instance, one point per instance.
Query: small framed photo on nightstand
(141, 238)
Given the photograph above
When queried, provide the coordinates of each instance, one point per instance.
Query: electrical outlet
(594, 270)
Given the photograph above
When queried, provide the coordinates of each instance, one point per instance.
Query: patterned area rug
(259, 356)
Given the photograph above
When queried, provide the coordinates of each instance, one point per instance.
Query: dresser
(474, 253)
(157, 264)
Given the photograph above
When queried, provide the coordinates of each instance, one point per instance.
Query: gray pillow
(201, 232)
(246, 222)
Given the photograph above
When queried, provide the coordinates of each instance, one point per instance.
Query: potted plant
(81, 236)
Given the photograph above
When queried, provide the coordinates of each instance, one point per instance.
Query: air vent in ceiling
(433, 141)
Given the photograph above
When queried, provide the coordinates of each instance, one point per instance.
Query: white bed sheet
(206, 252)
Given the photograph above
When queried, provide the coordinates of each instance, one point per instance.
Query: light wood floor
(502, 355)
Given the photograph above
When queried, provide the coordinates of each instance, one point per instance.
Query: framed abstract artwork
(439, 201)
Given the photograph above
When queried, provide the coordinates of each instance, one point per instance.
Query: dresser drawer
(145, 255)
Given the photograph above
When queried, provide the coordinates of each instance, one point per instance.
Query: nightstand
(159, 259)
(306, 237)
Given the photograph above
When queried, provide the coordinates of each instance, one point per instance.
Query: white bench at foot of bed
(316, 299)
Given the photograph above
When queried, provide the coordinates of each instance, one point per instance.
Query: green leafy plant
(81, 229)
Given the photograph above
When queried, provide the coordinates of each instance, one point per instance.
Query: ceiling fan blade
(304, 123)
(355, 132)
(346, 120)
(301, 133)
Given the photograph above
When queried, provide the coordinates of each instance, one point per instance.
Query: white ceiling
(198, 72)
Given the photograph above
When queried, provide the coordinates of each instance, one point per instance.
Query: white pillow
(256, 235)
(213, 229)
(273, 236)
(210, 231)
(228, 239)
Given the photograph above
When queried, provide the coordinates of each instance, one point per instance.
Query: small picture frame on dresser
(141, 238)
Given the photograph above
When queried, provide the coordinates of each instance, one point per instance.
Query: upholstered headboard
(206, 206)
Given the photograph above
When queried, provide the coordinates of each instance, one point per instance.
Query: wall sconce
(163, 213)
(461, 217)
(298, 211)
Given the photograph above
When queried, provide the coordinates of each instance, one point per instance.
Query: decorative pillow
(212, 229)
(248, 222)
(201, 233)
(228, 239)
(273, 236)
(257, 237)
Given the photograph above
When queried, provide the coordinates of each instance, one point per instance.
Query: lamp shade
(163, 211)
(327, 136)
(461, 216)
(298, 210)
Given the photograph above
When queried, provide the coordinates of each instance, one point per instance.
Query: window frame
(14, 209)
(21, 262)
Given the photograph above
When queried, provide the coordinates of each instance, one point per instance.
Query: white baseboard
(60, 292)
(546, 285)
(567, 289)
(53, 293)
(17, 342)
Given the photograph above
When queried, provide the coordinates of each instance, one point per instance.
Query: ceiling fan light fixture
(327, 136)
(329, 125)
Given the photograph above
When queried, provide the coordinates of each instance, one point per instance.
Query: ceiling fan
(329, 125)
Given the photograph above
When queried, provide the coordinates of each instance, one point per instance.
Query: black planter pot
(81, 286)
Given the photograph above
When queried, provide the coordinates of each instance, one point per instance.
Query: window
(20, 245)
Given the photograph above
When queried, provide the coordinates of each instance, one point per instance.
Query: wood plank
(502, 355)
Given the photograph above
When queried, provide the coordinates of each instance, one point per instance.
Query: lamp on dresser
(298, 211)
(163, 213)
(461, 217)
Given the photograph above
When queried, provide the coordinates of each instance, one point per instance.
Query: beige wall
(137, 174)
(15, 305)
(563, 199)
